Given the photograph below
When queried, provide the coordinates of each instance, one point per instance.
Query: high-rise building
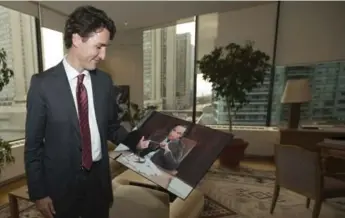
(168, 68)
(328, 93)
(183, 70)
(250, 114)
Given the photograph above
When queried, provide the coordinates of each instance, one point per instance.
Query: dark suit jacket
(53, 142)
(170, 160)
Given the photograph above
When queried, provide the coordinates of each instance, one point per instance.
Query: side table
(13, 196)
(331, 150)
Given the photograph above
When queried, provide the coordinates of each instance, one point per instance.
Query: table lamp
(296, 92)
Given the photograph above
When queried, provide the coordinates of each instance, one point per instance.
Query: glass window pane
(18, 39)
(328, 93)
(53, 47)
(168, 55)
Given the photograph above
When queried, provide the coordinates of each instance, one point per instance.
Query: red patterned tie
(84, 123)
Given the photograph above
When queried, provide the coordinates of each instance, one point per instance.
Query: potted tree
(6, 73)
(234, 71)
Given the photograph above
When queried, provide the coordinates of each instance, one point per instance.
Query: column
(30, 49)
(18, 59)
(171, 68)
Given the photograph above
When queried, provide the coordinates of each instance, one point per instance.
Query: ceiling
(144, 14)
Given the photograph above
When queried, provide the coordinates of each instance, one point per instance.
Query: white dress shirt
(72, 78)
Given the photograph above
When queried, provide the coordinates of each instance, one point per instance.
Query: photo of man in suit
(70, 116)
(159, 158)
(165, 149)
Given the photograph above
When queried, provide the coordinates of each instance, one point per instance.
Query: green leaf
(5, 72)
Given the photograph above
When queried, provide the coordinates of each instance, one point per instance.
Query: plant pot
(233, 153)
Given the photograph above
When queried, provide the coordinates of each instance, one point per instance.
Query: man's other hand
(45, 206)
(143, 143)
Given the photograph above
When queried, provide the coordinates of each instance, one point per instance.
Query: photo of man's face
(176, 133)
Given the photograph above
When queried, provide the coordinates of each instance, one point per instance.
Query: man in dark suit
(70, 116)
(170, 148)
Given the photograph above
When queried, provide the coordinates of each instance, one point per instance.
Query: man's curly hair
(86, 20)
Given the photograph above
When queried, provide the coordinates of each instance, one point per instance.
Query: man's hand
(143, 143)
(165, 146)
(45, 206)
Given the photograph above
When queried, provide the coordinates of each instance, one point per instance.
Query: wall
(124, 62)
(255, 24)
(261, 142)
(311, 32)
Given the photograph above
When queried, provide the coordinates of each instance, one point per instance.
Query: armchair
(299, 170)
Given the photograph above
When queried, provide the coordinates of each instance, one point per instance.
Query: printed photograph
(172, 153)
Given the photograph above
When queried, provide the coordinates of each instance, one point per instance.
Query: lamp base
(295, 111)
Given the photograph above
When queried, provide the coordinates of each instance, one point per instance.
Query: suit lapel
(66, 93)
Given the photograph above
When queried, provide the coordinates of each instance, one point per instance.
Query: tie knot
(80, 78)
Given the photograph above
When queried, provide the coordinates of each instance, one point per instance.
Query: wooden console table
(20, 193)
(307, 138)
(312, 139)
(331, 150)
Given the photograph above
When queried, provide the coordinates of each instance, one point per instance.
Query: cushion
(133, 202)
(188, 208)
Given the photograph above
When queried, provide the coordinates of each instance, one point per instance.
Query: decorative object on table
(234, 71)
(122, 95)
(138, 113)
(6, 73)
(296, 92)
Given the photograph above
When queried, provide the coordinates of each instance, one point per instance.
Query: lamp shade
(296, 91)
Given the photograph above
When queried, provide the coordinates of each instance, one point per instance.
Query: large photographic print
(173, 153)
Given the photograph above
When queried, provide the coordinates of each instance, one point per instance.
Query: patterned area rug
(212, 209)
(249, 195)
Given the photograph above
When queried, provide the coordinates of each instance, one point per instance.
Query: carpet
(212, 209)
(241, 193)
(249, 195)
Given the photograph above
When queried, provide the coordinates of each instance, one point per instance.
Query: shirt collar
(71, 72)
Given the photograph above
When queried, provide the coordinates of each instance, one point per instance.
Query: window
(18, 38)
(323, 55)
(53, 47)
(328, 102)
(168, 55)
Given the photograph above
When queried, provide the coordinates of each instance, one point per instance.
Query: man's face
(91, 50)
(176, 133)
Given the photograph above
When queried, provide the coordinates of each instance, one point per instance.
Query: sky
(187, 28)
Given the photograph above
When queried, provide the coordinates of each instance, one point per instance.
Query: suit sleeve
(172, 158)
(34, 135)
(116, 132)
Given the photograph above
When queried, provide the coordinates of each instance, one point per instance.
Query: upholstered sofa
(135, 201)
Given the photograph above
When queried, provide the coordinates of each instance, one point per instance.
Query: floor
(255, 164)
